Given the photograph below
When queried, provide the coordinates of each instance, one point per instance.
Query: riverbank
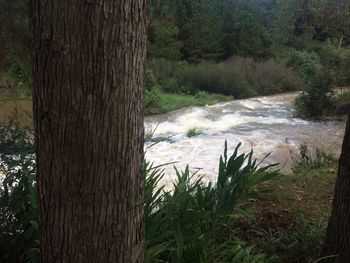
(166, 102)
(291, 215)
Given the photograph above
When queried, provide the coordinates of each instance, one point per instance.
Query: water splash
(265, 124)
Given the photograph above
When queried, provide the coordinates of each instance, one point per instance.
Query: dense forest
(199, 50)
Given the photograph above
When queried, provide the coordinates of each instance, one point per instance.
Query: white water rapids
(264, 124)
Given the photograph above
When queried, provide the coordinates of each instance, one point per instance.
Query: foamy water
(264, 124)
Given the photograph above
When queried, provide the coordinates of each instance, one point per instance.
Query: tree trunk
(337, 241)
(88, 65)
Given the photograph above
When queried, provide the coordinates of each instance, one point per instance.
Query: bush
(316, 98)
(266, 77)
(302, 245)
(238, 77)
(343, 77)
(15, 80)
(152, 100)
(18, 205)
(307, 161)
(342, 98)
(306, 64)
(334, 60)
(216, 78)
(195, 222)
(168, 74)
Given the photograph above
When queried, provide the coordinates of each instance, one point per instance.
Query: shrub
(343, 77)
(272, 77)
(195, 222)
(168, 75)
(307, 161)
(306, 64)
(334, 60)
(316, 98)
(238, 77)
(267, 77)
(216, 78)
(150, 80)
(15, 80)
(152, 100)
(302, 245)
(18, 206)
(342, 98)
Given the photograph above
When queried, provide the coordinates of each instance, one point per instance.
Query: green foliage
(152, 100)
(244, 31)
(342, 98)
(169, 102)
(266, 77)
(216, 78)
(163, 41)
(307, 161)
(168, 74)
(193, 132)
(150, 80)
(306, 64)
(239, 77)
(316, 98)
(200, 29)
(301, 245)
(195, 222)
(342, 72)
(334, 60)
(15, 45)
(18, 205)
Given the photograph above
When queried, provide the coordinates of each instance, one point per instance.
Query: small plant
(149, 133)
(18, 204)
(307, 161)
(195, 222)
(193, 132)
(303, 244)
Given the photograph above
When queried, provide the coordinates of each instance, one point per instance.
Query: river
(264, 124)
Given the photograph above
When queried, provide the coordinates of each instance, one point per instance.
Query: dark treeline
(196, 30)
(249, 48)
(236, 48)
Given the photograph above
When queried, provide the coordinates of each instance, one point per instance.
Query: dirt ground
(20, 107)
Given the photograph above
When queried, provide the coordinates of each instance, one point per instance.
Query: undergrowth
(193, 222)
(309, 160)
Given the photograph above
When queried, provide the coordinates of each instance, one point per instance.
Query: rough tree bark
(88, 65)
(337, 241)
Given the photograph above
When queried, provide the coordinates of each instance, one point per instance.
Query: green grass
(169, 102)
(292, 217)
(193, 132)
